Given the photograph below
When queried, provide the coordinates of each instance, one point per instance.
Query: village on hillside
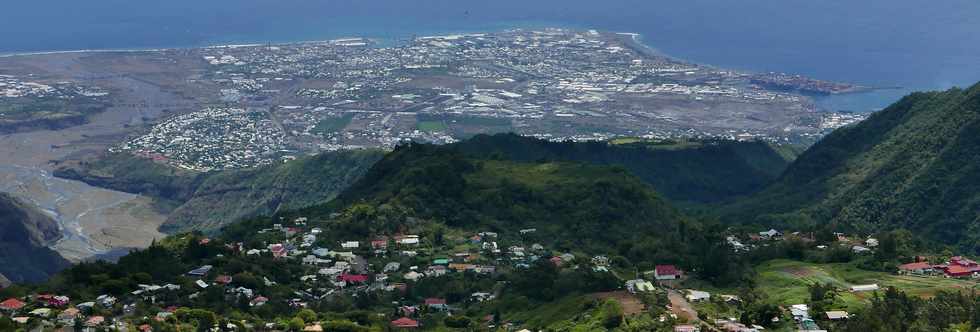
(401, 263)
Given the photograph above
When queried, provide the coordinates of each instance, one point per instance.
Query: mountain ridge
(23, 243)
(913, 165)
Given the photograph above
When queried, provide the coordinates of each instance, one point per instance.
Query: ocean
(913, 44)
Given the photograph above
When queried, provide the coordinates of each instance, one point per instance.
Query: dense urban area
(553, 84)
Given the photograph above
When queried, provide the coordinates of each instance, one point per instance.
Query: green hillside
(208, 201)
(914, 165)
(700, 171)
(579, 206)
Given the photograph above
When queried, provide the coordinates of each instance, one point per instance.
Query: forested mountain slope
(914, 165)
(700, 171)
(25, 234)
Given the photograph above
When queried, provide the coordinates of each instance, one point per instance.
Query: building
(837, 315)
(666, 272)
(405, 323)
(917, 268)
(697, 296)
(865, 288)
(200, 272)
(686, 328)
(961, 267)
(639, 285)
(436, 303)
(12, 304)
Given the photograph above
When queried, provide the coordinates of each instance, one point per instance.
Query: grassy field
(431, 126)
(332, 125)
(786, 281)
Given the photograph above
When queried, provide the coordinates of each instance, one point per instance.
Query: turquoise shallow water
(918, 45)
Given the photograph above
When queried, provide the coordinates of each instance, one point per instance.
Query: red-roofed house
(358, 278)
(962, 261)
(278, 250)
(380, 243)
(958, 271)
(223, 279)
(961, 267)
(666, 272)
(405, 323)
(915, 268)
(556, 261)
(95, 321)
(12, 304)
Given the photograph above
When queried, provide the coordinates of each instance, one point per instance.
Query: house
(959, 267)
(380, 243)
(353, 278)
(461, 267)
(957, 271)
(860, 249)
(408, 310)
(770, 234)
(310, 260)
(865, 288)
(242, 291)
(68, 316)
(800, 311)
(41, 312)
(697, 296)
(481, 296)
(567, 258)
(223, 279)
(485, 269)
(639, 285)
(95, 321)
(436, 270)
(556, 261)
(391, 267)
(258, 301)
(278, 250)
(405, 323)
(871, 242)
(837, 315)
(409, 240)
(917, 268)
(600, 261)
(200, 272)
(686, 328)
(441, 261)
(313, 328)
(666, 272)
(436, 303)
(12, 304)
(413, 276)
(201, 283)
(52, 300)
(350, 244)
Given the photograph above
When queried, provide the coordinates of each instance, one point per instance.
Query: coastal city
(554, 84)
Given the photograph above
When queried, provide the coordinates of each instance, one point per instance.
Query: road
(681, 307)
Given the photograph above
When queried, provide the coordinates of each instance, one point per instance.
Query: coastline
(634, 40)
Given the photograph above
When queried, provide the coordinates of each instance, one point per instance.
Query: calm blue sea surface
(915, 44)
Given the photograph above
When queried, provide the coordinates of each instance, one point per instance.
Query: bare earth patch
(631, 305)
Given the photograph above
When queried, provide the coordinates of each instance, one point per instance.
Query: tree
(296, 324)
(612, 314)
(306, 315)
(459, 322)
